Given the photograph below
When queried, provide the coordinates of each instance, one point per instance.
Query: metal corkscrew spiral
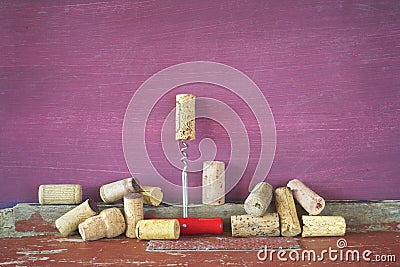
(184, 178)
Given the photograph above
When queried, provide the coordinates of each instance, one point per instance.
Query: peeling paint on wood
(226, 243)
(34, 224)
(53, 251)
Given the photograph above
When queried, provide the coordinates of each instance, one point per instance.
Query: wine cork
(69, 222)
(116, 190)
(247, 225)
(213, 190)
(185, 117)
(109, 223)
(133, 209)
(307, 198)
(152, 195)
(259, 199)
(290, 225)
(323, 226)
(158, 229)
(60, 194)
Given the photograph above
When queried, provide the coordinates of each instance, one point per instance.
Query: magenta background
(329, 70)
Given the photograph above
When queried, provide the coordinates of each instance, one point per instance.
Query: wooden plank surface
(361, 216)
(329, 70)
(72, 251)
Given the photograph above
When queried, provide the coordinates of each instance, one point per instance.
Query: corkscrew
(185, 131)
(184, 158)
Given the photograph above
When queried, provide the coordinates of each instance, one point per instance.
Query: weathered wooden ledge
(28, 219)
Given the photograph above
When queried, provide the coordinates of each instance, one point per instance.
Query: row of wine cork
(270, 225)
(213, 189)
(111, 222)
(260, 198)
(109, 193)
(313, 225)
(285, 221)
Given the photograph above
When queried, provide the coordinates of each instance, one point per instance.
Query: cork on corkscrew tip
(247, 225)
(185, 117)
(185, 129)
(152, 195)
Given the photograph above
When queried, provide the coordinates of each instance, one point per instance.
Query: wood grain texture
(328, 69)
(72, 251)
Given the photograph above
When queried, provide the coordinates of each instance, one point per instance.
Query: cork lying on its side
(247, 225)
(307, 198)
(259, 199)
(115, 191)
(158, 229)
(109, 223)
(185, 117)
(69, 222)
(323, 226)
(60, 194)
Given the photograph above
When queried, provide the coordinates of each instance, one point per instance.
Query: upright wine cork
(158, 229)
(185, 117)
(323, 226)
(213, 190)
(152, 195)
(259, 199)
(247, 225)
(307, 198)
(133, 209)
(290, 225)
(69, 222)
(60, 194)
(109, 223)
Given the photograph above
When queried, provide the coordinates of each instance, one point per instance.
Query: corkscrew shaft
(184, 179)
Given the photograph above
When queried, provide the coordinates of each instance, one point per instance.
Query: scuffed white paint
(39, 252)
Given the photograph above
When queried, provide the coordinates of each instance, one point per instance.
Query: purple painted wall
(329, 70)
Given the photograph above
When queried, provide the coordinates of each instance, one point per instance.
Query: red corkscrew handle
(196, 226)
